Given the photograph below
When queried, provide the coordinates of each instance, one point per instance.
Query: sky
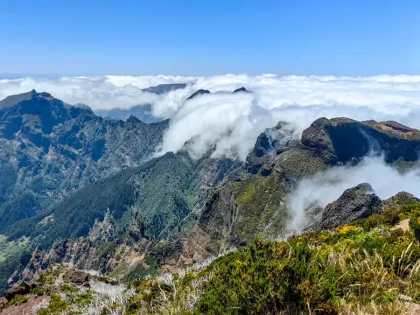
(190, 37)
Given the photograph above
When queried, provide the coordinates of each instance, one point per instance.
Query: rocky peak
(269, 143)
(342, 139)
(241, 89)
(355, 203)
(199, 92)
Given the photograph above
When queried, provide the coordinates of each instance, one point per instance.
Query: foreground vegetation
(367, 267)
(364, 268)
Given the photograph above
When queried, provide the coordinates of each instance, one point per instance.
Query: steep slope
(173, 210)
(367, 267)
(143, 210)
(256, 201)
(49, 149)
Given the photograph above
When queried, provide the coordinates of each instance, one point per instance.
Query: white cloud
(229, 122)
(325, 187)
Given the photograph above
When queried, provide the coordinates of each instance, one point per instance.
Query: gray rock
(76, 276)
(3, 302)
(355, 203)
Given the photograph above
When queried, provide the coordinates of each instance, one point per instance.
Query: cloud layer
(325, 187)
(231, 122)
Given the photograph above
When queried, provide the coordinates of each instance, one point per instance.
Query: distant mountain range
(142, 112)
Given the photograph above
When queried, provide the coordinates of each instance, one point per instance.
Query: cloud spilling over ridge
(231, 122)
(327, 186)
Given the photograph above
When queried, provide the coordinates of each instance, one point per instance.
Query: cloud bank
(231, 122)
(325, 187)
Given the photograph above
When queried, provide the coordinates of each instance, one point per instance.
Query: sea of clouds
(231, 122)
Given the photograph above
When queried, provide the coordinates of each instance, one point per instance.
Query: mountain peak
(199, 92)
(14, 99)
(241, 89)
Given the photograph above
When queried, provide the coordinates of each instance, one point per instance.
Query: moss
(67, 288)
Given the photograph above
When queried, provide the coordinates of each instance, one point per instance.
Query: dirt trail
(404, 225)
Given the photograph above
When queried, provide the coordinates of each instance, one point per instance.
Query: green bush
(415, 223)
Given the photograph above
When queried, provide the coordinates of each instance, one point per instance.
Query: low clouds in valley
(325, 187)
(231, 122)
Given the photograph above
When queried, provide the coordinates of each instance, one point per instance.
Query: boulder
(355, 203)
(19, 290)
(3, 302)
(76, 276)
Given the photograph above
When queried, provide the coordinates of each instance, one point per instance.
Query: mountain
(239, 201)
(367, 265)
(87, 192)
(142, 112)
(49, 149)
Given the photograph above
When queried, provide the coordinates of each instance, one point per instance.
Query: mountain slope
(49, 149)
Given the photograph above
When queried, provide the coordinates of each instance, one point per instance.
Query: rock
(76, 276)
(241, 89)
(3, 302)
(342, 140)
(269, 143)
(19, 290)
(400, 199)
(355, 203)
(317, 137)
(404, 298)
(199, 92)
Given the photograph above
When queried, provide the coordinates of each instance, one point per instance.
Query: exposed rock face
(269, 144)
(3, 302)
(76, 276)
(241, 89)
(343, 139)
(402, 198)
(199, 92)
(19, 290)
(355, 203)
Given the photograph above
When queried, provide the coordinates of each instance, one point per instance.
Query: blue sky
(203, 37)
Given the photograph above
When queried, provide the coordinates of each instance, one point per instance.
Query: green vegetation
(259, 200)
(106, 248)
(57, 306)
(356, 269)
(12, 255)
(17, 300)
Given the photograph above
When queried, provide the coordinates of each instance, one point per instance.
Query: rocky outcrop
(269, 144)
(199, 92)
(355, 203)
(241, 89)
(400, 199)
(23, 289)
(76, 276)
(342, 139)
